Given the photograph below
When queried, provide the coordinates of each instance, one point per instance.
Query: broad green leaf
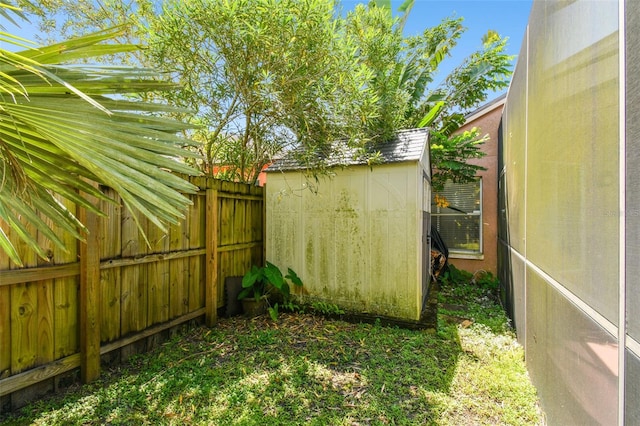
(274, 276)
(432, 114)
(295, 279)
(386, 4)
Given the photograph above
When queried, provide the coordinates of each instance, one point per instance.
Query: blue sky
(507, 17)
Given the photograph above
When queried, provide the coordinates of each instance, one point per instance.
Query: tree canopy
(403, 69)
(261, 75)
(267, 75)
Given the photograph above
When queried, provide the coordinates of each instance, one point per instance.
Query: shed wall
(355, 239)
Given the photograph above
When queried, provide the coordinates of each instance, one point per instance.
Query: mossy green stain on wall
(358, 250)
(344, 206)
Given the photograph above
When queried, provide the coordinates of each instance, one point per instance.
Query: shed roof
(407, 145)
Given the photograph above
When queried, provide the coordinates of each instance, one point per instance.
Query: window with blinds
(457, 214)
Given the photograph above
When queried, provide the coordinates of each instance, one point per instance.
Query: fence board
(24, 300)
(66, 314)
(5, 332)
(110, 279)
(196, 240)
(5, 316)
(24, 325)
(255, 223)
(45, 319)
(133, 314)
(19, 276)
(28, 256)
(240, 231)
(38, 374)
(150, 331)
(90, 298)
(225, 228)
(150, 258)
(158, 276)
(223, 271)
(44, 305)
(178, 272)
(142, 295)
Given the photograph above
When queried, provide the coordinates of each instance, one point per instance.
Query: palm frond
(64, 126)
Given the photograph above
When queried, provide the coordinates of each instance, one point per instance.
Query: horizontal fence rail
(116, 291)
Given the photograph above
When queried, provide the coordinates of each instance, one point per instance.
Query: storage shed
(358, 238)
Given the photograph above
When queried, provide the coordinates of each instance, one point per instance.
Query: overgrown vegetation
(249, 80)
(263, 76)
(306, 369)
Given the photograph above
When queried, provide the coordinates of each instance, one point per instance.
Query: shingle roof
(408, 145)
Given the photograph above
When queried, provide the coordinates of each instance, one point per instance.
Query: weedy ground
(309, 369)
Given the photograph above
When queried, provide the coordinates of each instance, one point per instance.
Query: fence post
(90, 298)
(264, 225)
(211, 276)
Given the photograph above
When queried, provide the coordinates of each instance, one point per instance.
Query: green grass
(306, 369)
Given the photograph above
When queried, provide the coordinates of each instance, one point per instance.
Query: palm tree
(66, 128)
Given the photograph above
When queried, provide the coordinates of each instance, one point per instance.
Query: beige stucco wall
(488, 123)
(354, 239)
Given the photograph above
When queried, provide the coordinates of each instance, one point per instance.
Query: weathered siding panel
(355, 239)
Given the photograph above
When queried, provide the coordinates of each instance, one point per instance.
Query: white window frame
(459, 253)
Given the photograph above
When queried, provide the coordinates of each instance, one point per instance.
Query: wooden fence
(115, 292)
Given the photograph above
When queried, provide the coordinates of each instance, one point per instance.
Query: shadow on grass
(301, 370)
(307, 369)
